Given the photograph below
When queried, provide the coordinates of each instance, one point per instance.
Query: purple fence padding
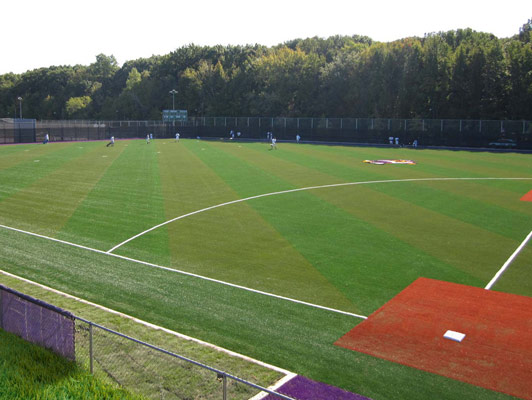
(302, 388)
(37, 322)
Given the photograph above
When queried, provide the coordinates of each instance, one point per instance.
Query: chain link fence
(118, 359)
(154, 372)
(376, 131)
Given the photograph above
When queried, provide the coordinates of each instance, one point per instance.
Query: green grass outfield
(350, 248)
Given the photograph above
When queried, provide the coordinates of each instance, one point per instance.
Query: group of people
(149, 138)
(273, 140)
(395, 141)
(232, 134)
(269, 136)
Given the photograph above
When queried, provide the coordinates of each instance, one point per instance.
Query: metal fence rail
(119, 359)
(155, 372)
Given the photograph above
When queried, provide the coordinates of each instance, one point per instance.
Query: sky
(38, 33)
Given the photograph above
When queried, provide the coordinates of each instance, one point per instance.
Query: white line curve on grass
(148, 264)
(296, 190)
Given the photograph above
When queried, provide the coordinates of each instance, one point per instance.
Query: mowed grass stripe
(494, 218)
(46, 203)
(288, 335)
(505, 222)
(443, 163)
(235, 243)
(23, 168)
(404, 257)
(453, 199)
(12, 153)
(339, 245)
(126, 199)
(16, 154)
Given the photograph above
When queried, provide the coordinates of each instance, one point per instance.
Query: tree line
(456, 74)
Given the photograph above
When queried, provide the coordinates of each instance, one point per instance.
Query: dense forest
(456, 74)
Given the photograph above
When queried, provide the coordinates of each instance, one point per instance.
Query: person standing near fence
(112, 142)
(46, 139)
(273, 144)
(298, 138)
(148, 138)
(177, 137)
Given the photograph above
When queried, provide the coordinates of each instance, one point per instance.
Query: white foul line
(189, 274)
(296, 190)
(508, 262)
(109, 252)
(150, 325)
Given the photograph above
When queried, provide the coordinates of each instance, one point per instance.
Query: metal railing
(116, 358)
(155, 372)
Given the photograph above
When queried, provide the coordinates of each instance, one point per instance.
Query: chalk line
(187, 273)
(292, 191)
(152, 326)
(508, 262)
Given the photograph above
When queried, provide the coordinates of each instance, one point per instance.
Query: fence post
(90, 347)
(225, 386)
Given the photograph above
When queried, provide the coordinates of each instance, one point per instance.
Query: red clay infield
(496, 352)
(527, 197)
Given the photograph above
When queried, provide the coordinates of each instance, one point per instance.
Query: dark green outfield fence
(428, 132)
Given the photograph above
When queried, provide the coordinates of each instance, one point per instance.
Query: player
(177, 137)
(298, 138)
(273, 144)
(46, 139)
(414, 144)
(390, 139)
(148, 138)
(112, 142)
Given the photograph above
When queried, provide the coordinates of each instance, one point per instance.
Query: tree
(76, 107)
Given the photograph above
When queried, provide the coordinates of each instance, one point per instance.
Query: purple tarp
(302, 388)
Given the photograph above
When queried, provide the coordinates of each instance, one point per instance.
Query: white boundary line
(238, 201)
(508, 262)
(297, 190)
(188, 274)
(153, 326)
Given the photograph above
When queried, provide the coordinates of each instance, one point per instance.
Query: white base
(456, 336)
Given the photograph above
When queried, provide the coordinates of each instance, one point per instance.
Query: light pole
(173, 92)
(20, 103)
